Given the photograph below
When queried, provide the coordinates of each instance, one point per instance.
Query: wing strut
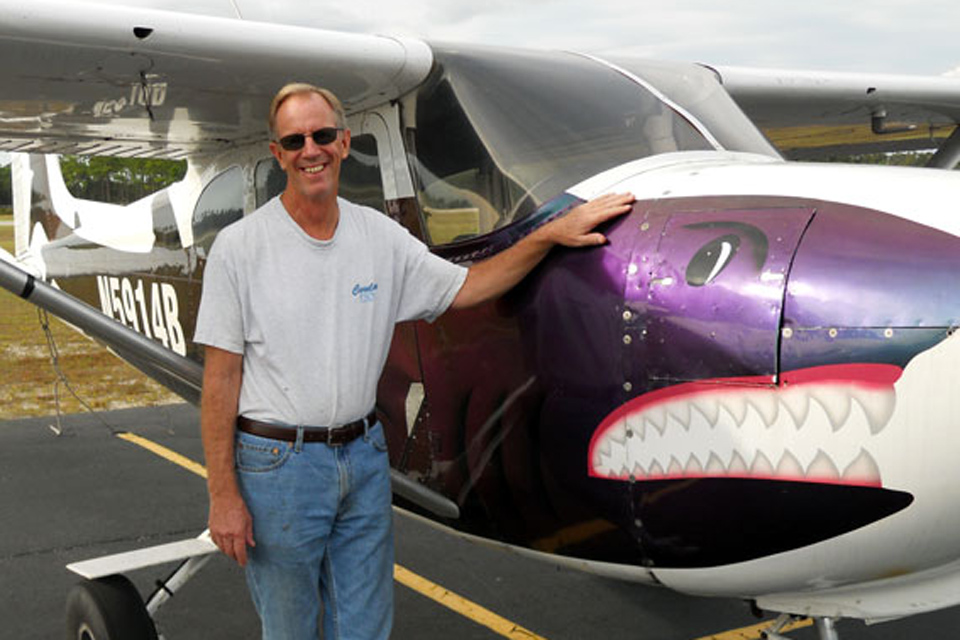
(181, 374)
(948, 155)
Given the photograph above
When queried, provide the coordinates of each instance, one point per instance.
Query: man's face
(313, 172)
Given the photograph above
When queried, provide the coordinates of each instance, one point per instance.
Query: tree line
(902, 159)
(6, 192)
(116, 180)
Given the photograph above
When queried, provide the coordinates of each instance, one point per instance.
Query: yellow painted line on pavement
(461, 605)
(755, 632)
(404, 576)
(163, 452)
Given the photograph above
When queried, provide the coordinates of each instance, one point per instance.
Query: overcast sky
(892, 36)
(888, 36)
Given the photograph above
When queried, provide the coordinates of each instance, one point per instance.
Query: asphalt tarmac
(87, 493)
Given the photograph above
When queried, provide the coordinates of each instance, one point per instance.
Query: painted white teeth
(651, 425)
(618, 453)
(694, 468)
(680, 411)
(736, 406)
(674, 469)
(656, 416)
(761, 466)
(789, 466)
(862, 470)
(737, 465)
(878, 406)
(715, 465)
(636, 425)
(797, 403)
(767, 405)
(835, 402)
(709, 408)
(763, 433)
(610, 458)
(822, 468)
(602, 465)
(606, 443)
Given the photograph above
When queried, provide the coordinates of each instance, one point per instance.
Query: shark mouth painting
(704, 460)
(814, 426)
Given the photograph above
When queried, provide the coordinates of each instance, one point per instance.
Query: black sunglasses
(295, 141)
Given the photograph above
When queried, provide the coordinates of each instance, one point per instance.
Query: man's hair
(300, 88)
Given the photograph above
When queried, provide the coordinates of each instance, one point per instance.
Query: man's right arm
(231, 526)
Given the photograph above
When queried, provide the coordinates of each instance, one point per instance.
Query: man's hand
(231, 527)
(492, 277)
(576, 228)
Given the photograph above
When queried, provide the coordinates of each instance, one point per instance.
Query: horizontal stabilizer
(142, 558)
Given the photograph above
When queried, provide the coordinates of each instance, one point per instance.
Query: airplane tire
(108, 609)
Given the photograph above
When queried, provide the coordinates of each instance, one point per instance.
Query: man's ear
(275, 152)
(346, 144)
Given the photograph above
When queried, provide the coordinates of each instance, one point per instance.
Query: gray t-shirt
(314, 319)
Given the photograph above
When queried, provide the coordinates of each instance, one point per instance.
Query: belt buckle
(330, 442)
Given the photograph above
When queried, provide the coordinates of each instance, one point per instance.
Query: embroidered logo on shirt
(365, 293)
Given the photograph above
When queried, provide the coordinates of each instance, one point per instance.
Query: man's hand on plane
(576, 229)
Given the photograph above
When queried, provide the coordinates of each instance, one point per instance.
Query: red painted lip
(864, 376)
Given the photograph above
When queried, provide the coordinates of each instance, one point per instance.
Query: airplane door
(712, 305)
(400, 393)
(383, 124)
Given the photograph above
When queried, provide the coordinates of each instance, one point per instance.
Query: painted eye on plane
(714, 256)
(711, 259)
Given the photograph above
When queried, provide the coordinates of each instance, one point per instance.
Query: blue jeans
(324, 536)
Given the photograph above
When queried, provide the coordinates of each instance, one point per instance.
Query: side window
(462, 191)
(220, 204)
(269, 180)
(360, 180)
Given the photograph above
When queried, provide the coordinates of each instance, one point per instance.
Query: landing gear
(108, 608)
(826, 627)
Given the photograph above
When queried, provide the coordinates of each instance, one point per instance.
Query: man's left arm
(497, 275)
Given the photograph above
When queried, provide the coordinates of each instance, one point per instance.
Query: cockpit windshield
(493, 135)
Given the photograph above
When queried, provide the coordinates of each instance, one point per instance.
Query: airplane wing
(815, 114)
(83, 78)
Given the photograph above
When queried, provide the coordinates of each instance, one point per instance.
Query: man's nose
(310, 147)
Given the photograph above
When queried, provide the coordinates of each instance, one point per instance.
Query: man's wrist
(543, 238)
(224, 491)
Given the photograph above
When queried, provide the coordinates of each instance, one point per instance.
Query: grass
(805, 137)
(28, 378)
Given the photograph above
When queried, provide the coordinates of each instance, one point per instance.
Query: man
(298, 474)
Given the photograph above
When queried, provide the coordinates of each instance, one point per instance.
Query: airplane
(748, 392)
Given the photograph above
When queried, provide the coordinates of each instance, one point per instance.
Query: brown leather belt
(333, 436)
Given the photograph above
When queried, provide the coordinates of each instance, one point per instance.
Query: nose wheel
(108, 608)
